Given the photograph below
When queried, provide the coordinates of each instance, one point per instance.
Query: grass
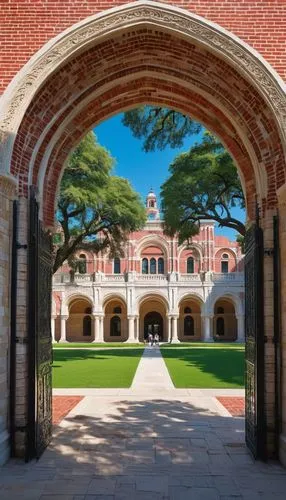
(91, 345)
(101, 369)
(205, 365)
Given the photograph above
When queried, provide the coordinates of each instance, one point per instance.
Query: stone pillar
(208, 333)
(240, 328)
(53, 325)
(63, 337)
(175, 339)
(169, 329)
(136, 328)
(131, 336)
(101, 329)
(7, 194)
(95, 328)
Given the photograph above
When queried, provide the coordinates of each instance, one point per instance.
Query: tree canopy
(160, 127)
(203, 184)
(96, 210)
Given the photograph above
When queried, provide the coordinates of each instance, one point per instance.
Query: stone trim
(54, 53)
(8, 186)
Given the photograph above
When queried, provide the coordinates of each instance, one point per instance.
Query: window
(86, 327)
(116, 265)
(190, 265)
(160, 266)
(81, 264)
(152, 266)
(224, 263)
(151, 203)
(189, 327)
(187, 310)
(220, 310)
(115, 326)
(117, 310)
(220, 326)
(145, 266)
(224, 266)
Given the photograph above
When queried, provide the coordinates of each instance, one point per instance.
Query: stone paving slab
(132, 445)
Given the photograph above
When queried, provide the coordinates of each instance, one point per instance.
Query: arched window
(86, 326)
(116, 265)
(151, 203)
(145, 266)
(220, 310)
(220, 326)
(152, 266)
(81, 264)
(160, 266)
(224, 263)
(190, 265)
(117, 310)
(189, 326)
(187, 310)
(115, 326)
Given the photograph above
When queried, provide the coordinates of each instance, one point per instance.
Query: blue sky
(143, 170)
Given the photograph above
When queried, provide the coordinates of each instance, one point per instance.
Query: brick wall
(25, 25)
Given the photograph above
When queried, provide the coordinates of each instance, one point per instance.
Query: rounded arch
(202, 93)
(226, 250)
(77, 296)
(191, 296)
(152, 240)
(231, 297)
(147, 296)
(196, 246)
(111, 297)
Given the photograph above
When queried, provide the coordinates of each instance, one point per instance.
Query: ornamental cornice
(58, 50)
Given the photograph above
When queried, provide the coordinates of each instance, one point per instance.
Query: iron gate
(39, 335)
(255, 428)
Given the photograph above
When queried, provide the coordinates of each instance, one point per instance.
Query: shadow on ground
(138, 449)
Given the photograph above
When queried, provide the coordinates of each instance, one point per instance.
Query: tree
(160, 127)
(204, 184)
(96, 210)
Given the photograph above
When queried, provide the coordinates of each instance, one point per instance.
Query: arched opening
(190, 323)
(225, 322)
(190, 265)
(205, 72)
(153, 324)
(79, 322)
(115, 324)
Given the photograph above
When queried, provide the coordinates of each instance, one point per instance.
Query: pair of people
(153, 339)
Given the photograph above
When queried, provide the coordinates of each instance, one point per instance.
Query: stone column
(63, 337)
(53, 325)
(136, 328)
(175, 339)
(131, 336)
(95, 328)
(169, 338)
(208, 333)
(240, 328)
(101, 329)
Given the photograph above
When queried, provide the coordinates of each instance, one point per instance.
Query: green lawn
(87, 368)
(91, 345)
(205, 365)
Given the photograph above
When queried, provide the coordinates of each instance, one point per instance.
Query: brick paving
(235, 405)
(62, 405)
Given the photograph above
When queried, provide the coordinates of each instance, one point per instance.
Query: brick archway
(146, 53)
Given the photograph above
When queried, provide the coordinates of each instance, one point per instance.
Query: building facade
(184, 293)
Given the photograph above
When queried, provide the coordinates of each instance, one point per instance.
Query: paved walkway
(169, 444)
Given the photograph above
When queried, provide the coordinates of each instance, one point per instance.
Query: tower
(151, 206)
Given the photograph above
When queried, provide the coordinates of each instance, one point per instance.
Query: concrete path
(169, 445)
(152, 375)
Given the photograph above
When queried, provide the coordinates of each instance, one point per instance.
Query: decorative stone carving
(18, 95)
(8, 186)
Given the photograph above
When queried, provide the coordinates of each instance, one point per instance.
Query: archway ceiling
(147, 66)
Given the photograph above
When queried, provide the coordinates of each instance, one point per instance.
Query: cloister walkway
(151, 441)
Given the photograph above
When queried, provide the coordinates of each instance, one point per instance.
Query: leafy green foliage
(160, 127)
(204, 184)
(95, 209)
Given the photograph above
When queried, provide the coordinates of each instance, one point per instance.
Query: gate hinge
(269, 252)
(19, 245)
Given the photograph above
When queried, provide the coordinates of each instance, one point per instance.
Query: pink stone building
(184, 293)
